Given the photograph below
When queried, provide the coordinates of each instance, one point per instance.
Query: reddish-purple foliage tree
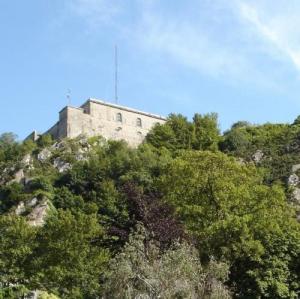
(157, 217)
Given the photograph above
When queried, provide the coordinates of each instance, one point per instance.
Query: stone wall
(111, 121)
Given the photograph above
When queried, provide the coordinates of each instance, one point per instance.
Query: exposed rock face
(296, 195)
(18, 177)
(58, 145)
(32, 295)
(61, 165)
(44, 155)
(295, 167)
(20, 209)
(32, 202)
(38, 214)
(27, 160)
(293, 180)
(257, 156)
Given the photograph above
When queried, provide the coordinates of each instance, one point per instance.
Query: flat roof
(100, 102)
(69, 106)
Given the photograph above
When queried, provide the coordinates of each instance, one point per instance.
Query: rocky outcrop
(258, 156)
(20, 209)
(296, 195)
(32, 202)
(39, 210)
(7, 174)
(58, 145)
(295, 167)
(44, 155)
(38, 214)
(61, 165)
(19, 177)
(293, 180)
(27, 161)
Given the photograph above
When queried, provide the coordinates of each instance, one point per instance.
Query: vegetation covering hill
(190, 213)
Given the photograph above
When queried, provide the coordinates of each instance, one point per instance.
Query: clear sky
(239, 58)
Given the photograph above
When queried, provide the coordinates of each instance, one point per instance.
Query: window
(140, 135)
(138, 122)
(119, 117)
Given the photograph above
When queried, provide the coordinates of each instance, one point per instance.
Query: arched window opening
(138, 122)
(119, 117)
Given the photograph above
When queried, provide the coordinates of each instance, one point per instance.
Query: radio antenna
(116, 74)
(69, 97)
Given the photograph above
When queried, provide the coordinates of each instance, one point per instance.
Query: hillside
(190, 213)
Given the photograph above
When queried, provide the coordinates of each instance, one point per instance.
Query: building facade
(111, 121)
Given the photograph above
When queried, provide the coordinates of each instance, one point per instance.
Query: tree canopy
(190, 213)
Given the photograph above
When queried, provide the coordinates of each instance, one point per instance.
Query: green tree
(235, 217)
(207, 133)
(70, 260)
(10, 196)
(17, 242)
(176, 133)
(9, 147)
(296, 121)
(45, 140)
(237, 141)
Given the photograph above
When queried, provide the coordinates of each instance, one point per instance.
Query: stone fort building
(111, 121)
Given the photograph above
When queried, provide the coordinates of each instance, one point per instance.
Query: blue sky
(238, 58)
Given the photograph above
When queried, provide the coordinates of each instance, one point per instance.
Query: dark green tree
(207, 133)
(70, 259)
(17, 242)
(176, 133)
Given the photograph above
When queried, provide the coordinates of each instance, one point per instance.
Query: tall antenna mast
(116, 74)
(69, 97)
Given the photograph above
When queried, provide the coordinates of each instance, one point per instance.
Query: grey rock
(55, 145)
(293, 180)
(295, 167)
(38, 214)
(59, 145)
(61, 165)
(32, 295)
(142, 296)
(32, 202)
(20, 209)
(257, 156)
(296, 195)
(27, 160)
(80, 157)
(44, 155)
(83, 141)
(18, 177)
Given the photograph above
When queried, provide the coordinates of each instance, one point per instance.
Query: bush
(141, 271)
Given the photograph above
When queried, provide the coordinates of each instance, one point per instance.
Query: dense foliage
(190, 213)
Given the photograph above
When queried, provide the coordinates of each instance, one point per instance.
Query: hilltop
(96, 218)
